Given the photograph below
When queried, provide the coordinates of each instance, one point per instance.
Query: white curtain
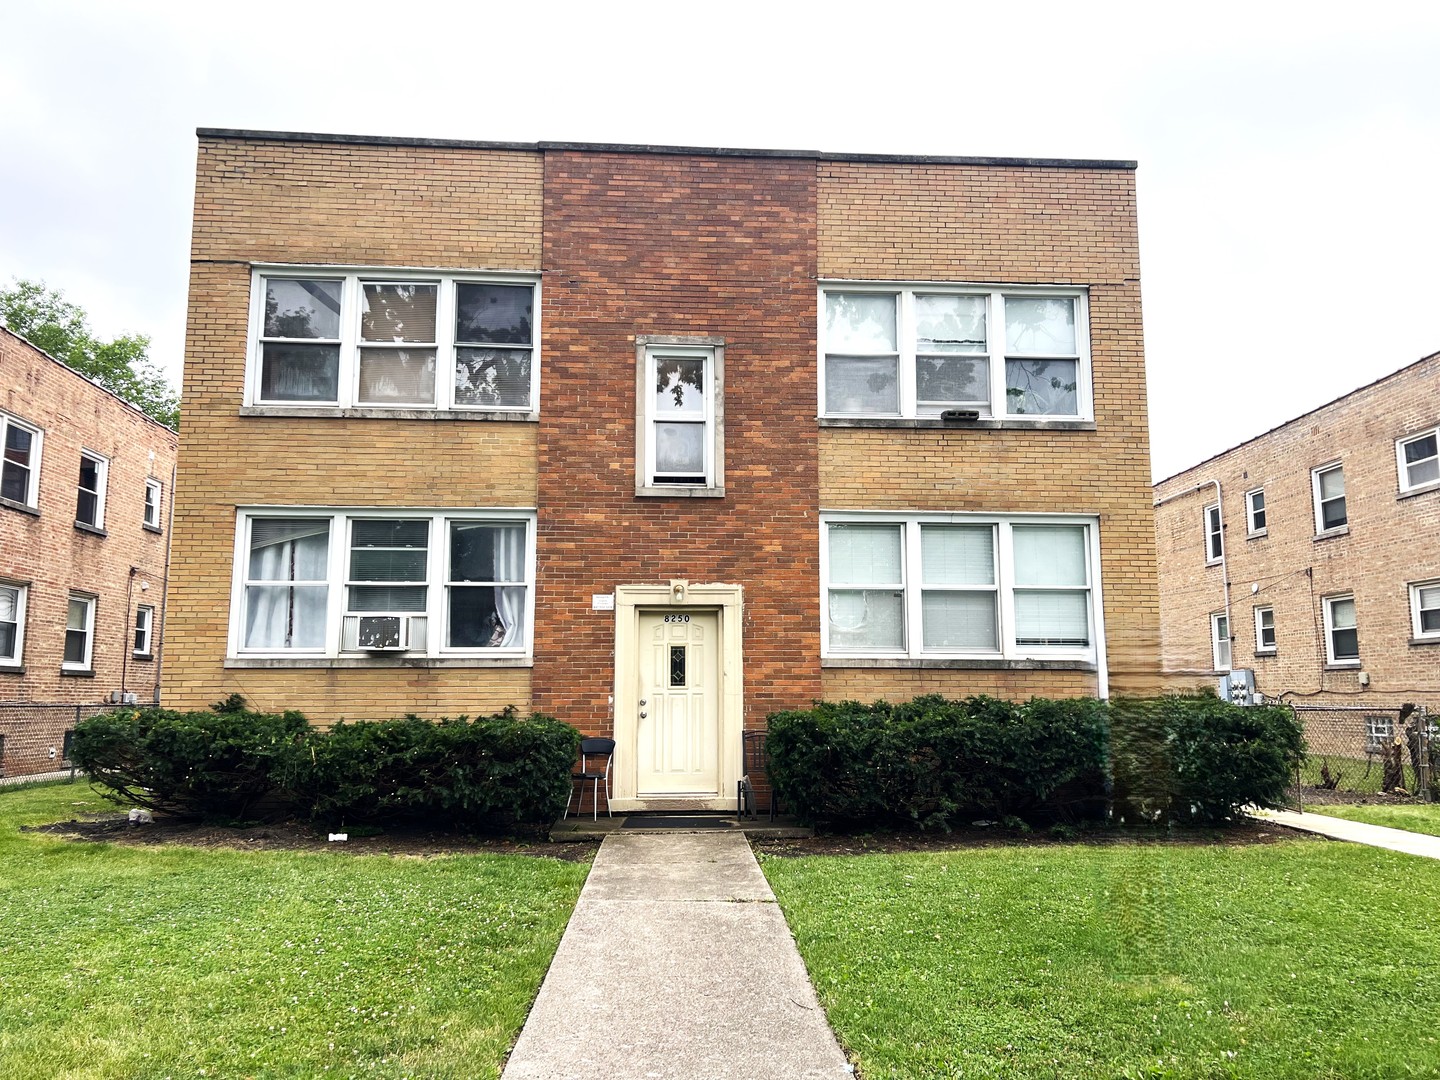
(510, 566)
(287, 616)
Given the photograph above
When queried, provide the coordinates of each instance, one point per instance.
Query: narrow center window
(677, 665)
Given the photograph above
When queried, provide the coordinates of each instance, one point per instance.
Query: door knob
(642, 702)
(643, 714)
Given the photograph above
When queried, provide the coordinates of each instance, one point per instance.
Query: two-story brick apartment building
(657, 440)
(1309, 553)
(85, 488)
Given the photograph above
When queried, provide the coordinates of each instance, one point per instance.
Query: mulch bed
(297, 836)
(1318, 796)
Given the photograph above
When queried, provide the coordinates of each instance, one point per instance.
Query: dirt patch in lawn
(1318, 796)
(296, 836)
(886, 843)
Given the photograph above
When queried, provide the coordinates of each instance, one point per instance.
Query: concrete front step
(574, 829)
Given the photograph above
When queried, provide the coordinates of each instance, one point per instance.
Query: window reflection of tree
(675, 374)
(947, 379)
(1040, 391)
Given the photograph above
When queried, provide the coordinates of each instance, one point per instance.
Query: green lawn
(1412, 817)
(1299, 960)
(154, 962)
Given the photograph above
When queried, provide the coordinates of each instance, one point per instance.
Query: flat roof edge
(638, 148)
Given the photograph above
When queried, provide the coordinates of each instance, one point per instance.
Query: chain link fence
(35, 737)
(1358, 753)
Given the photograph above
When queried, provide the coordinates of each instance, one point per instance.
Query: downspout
(165, 586)
(1224, 552)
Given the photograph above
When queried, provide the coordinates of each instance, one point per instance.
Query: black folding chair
(592, 748)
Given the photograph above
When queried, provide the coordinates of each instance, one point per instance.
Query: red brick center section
(674, 245)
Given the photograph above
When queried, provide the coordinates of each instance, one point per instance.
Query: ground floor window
(1342, 641)
(371, 581)
(959, 585)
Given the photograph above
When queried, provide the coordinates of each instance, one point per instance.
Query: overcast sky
(1289, 153)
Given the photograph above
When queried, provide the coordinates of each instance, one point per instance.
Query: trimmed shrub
(197, 764)
(492, 771)
(1198, 759)
(931, 762)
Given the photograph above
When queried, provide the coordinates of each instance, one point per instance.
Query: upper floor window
(153, 492)
(366, 582)
(1255, 512)
(1329, 491)
(956, 585)
(12, 624)
(90, 496)
(1265, 629)
(1342, 642)
(393, 340)
(680, 415)
(1220, 641)
(889, 351)
(144, 630)
(1418, 459)
(20, 471)
(1425, 610)
(1214, 534)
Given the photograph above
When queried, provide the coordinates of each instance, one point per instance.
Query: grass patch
(171, 961)
(1412, 817)
(1291, 961)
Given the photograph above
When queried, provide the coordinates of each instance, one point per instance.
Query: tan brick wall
(989, 224)
(304, 203)
(53, 557)
(1390, 543)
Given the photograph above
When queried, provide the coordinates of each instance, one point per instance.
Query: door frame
(677, 595)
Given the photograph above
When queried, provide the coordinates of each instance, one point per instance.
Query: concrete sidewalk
(1357, 832)
(677, 963)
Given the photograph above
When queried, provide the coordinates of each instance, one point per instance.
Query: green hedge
(935, 763)
(232, 763)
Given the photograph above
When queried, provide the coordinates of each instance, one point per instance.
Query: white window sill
(1423, 489)
(679, 491)
(1343, 665)
(1330, 534)
(1009, 423)
(272, 663)
(1213, 562)
(1261, 654)
(1257, 534)
(956, 663)
(293, 412)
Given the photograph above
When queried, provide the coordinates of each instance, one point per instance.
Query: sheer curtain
(510, 566)
(281, 613)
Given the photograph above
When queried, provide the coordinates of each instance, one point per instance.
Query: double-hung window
(918, 352)
(1425, 610)
(959, 586)
(393, 340)
(680, 416)
(12, 624)
(1265, 629)
(90, 495)
(1220, 641)
(153, 492)
(144, 630)
(1214, 534)
(1342, 643)
(1418, 460)
(20, 466)
(79, 633)
(1329, 490)
(361, 583)
(1255, 512)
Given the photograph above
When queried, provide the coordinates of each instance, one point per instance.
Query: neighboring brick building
(84, 523)
(651, 438)
(1309, 553)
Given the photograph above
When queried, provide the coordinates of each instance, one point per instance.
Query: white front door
(678, 734)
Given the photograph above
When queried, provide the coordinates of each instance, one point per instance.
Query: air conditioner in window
(383, 633)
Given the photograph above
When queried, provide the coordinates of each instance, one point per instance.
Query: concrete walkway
(1357, 832)
(677, 963)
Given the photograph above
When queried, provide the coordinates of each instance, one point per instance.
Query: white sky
(1289, 153)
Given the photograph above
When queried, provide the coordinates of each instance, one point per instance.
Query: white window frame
(22, 597)
(37, 441)
(1222, 645)
(1252, 511)
(1402, 468)
(1379, 732)
(1214, 535)
(1417, 630)
(649, 351)
(1315, 475)
(154, 494)
(88, 663)
(436, 612)
(1260, 646)
(1328, 603)
(144, 623)
(913, 588)
(102, 478)
(353, 279)
(995, 294)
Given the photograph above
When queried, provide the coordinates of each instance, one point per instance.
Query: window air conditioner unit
(382, 633)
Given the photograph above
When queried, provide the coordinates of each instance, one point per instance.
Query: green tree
(123, 366)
